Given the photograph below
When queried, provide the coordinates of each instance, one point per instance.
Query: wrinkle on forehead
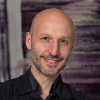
(51, 14)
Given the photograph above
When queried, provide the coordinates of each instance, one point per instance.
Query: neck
(45, 82)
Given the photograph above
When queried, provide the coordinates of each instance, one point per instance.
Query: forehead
(56, 24)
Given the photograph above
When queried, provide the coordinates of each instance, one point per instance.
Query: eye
(45, 38)
(63, 42)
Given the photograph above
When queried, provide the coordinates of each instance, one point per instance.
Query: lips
(52, 62)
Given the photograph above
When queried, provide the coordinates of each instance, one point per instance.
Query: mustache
(52, 57)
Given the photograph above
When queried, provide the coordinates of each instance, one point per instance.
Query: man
(51, 40)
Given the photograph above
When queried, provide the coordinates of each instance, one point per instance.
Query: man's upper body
(51, 40)
(26, 87)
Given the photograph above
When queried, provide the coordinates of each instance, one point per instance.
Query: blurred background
(83, 69)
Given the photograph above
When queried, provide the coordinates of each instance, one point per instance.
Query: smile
(51, 60)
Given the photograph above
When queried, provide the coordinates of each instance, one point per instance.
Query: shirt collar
(62, 90)
(23, 86)
(35, 84)
(58, 87)
(54, 85)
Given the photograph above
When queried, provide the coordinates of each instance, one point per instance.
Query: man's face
(51, 45)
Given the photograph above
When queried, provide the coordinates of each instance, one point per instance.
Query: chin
(50, 74)
(50, 71)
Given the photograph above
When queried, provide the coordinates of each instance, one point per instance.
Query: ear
(72, 48)
(28, 40)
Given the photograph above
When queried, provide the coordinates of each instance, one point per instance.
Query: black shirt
(21, 89)
(36, 87)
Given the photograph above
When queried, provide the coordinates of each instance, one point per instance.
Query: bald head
(51, 41)
(49, 15)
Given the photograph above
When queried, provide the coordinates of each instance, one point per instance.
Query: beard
(37, 62)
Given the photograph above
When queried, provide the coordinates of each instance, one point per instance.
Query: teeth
(51, 61)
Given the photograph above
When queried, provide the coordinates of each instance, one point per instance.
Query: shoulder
(6, 85)
(10, 88)
(10, 83)
(77, 95)
(6, 89)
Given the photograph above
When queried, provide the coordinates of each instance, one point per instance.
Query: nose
(54, 49)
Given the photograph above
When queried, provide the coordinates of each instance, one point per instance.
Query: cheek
(41, 49)
(65, 52)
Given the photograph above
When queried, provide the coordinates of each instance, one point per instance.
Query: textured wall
(4, 48)
(15, 39)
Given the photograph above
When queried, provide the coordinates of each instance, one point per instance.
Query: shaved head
(51, 40)
(47, 15)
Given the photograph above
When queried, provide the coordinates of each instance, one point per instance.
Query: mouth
(52, 62)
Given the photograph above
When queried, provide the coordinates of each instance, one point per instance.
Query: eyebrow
(65, 37)
(51, 36)
(44, 35)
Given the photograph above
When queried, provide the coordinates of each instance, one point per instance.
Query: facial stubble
(36, 60)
